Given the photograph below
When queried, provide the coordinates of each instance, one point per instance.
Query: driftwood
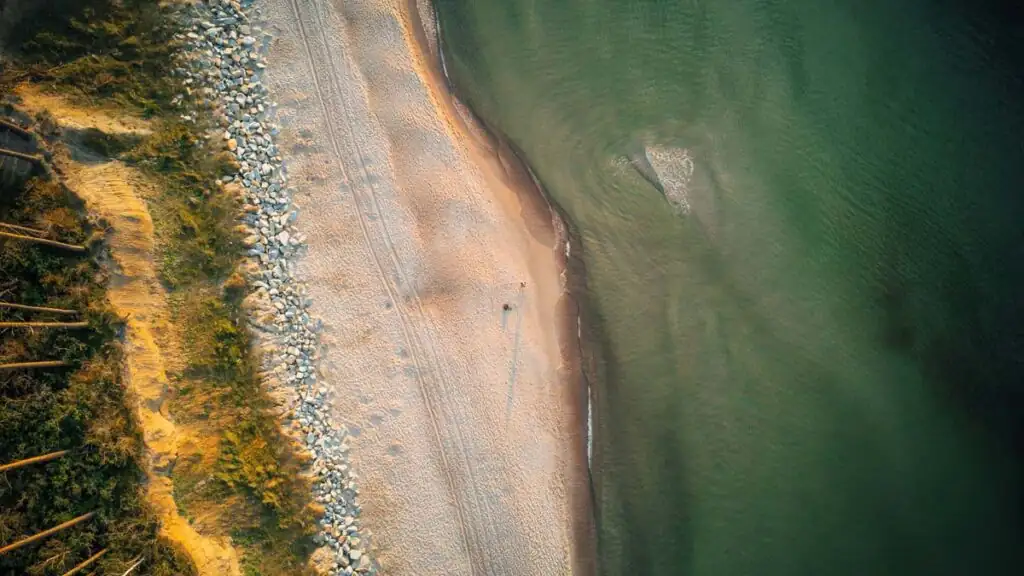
(86, 563)
(72, 247)
(15, 128)
(44, 324)
(33, 460)
(46, 533)
(41, 364)
(36, 308)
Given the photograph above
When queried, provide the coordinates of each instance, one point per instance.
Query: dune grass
(120, 54)
(82, 407)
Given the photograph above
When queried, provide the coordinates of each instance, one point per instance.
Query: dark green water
(816, 369)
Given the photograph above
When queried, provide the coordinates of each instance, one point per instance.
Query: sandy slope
(469, 440)
(110, 190)
(116, 193)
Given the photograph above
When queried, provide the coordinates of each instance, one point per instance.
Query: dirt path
(416, 241)
(115, 192)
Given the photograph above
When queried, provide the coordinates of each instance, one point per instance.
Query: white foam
(674, 167)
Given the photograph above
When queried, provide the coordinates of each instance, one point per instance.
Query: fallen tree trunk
(133, 567)
(36, 308)
(23, 228)
(86, 563)
(45, 533)
(33, 158)
(44, 324)
(15, 128)
(72, 247)
(33, 460)
(40, 364)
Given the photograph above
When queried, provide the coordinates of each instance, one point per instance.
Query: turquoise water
(802, 228)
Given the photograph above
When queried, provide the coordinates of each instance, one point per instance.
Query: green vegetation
(82, 408)
(196, 215)
(106, 145)
(219, 390)
(119, 54)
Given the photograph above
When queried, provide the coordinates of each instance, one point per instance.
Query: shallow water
(802, 226)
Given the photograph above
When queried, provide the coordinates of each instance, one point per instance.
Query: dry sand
(470, 449)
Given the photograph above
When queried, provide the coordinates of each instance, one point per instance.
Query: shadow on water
(968, 343)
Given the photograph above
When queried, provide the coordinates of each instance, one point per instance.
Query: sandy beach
(436, 269)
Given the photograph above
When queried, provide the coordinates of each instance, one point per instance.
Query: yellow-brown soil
(116, 193)
(34, 100)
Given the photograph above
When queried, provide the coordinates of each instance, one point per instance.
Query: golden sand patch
(116, 192)
(113, 191)
(35, 100)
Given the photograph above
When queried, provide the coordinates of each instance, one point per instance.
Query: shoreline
(437, 221)
(577, 347)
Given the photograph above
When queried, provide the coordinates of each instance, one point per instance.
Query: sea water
(801, 222)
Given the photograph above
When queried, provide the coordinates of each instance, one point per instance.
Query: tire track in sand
(477, 564)
(450, 394)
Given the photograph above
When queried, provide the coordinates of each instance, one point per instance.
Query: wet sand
(470, 446)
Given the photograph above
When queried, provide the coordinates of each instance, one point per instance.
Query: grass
(83, 408)
(197, 215)
(118, 52)
(112, 53)
(219, 390)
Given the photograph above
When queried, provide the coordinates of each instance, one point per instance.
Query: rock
(224, 65)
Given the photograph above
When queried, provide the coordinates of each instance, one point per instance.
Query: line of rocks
(225, 52)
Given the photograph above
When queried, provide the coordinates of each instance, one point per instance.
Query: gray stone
(225, 65)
